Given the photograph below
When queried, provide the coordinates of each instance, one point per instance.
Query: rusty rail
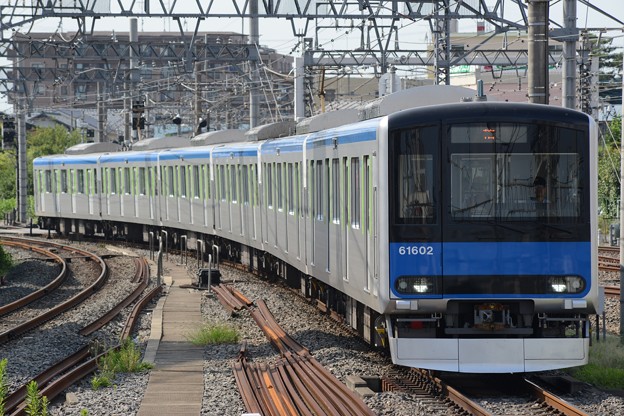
(142, 277)
(63, 374)
(65, 306)
(44, 290)
(296, 384)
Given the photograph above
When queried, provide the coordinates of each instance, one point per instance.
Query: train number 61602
(415, 250)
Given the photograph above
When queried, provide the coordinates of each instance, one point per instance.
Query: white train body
(443, 283)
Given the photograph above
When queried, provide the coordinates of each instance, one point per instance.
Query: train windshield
(511, 172)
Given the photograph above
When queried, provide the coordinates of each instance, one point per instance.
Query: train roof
(86, 148)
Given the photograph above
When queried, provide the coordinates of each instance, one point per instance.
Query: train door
(367, 224)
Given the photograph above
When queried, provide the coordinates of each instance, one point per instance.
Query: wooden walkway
(176, 383)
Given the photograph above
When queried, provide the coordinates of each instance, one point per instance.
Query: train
(458, 234)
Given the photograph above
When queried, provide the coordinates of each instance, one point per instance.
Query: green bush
(6, 262)
(213, 334)
(126, 359)
(4, 386)
(606, 365)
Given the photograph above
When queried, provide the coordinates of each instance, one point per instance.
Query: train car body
(459, 236)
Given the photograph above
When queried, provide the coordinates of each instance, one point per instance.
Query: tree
(40, 142)
(609, 170)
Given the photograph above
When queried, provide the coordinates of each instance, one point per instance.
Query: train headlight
(566, 284)
(415, 285)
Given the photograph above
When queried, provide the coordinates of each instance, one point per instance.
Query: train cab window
(511, 172)
(413, 175)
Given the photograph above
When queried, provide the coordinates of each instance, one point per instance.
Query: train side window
(312, 190)
(126, 180)
(113, 181)
(355, 192)
(80, 180)
(298, 189)
(319, 190)
(142, 181)
(48, 181)
(71, 185)
(182, 176)
(279, 189)
(269, 185)
(234, 182)
(170, 187)
(335, 192)
(245, 184)
(290, 194)
(196, 187)
(63, 181)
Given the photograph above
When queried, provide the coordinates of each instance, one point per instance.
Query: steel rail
(612, 291)
(69, 371)
(141, 277)
(65, 306)
(553, 401)
(40, 292)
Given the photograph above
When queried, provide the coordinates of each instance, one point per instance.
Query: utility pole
(21, 159)
(622, 222)
(569, 54)
(254, 38)
(538, 51)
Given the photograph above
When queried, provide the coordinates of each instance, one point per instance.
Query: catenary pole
(622, 218)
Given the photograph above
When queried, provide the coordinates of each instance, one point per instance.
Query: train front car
(491, 254)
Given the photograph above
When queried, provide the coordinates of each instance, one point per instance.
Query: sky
(277, 33)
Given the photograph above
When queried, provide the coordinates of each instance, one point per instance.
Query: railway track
(296, 384)
(57, 378)
(33, 322)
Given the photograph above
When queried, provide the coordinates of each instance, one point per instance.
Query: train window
(222, 182)
(142, 190)
(80, 180)
(196, 185)
(311, 193)
(278, 187)
(254, 184)
(319, 190)
(355, 192)
(345, 192)
(335, 191)
(64, 181)
(245, 184)
(414, 175)
(290, 194)
(182, 177)
(113, 180)
(269, 184)
(298, 189)
(70, 181)
(170, 187)
(127, 181)
(48, 181)
(233, 183)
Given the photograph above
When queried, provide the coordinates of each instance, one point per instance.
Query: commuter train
(461, 236)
